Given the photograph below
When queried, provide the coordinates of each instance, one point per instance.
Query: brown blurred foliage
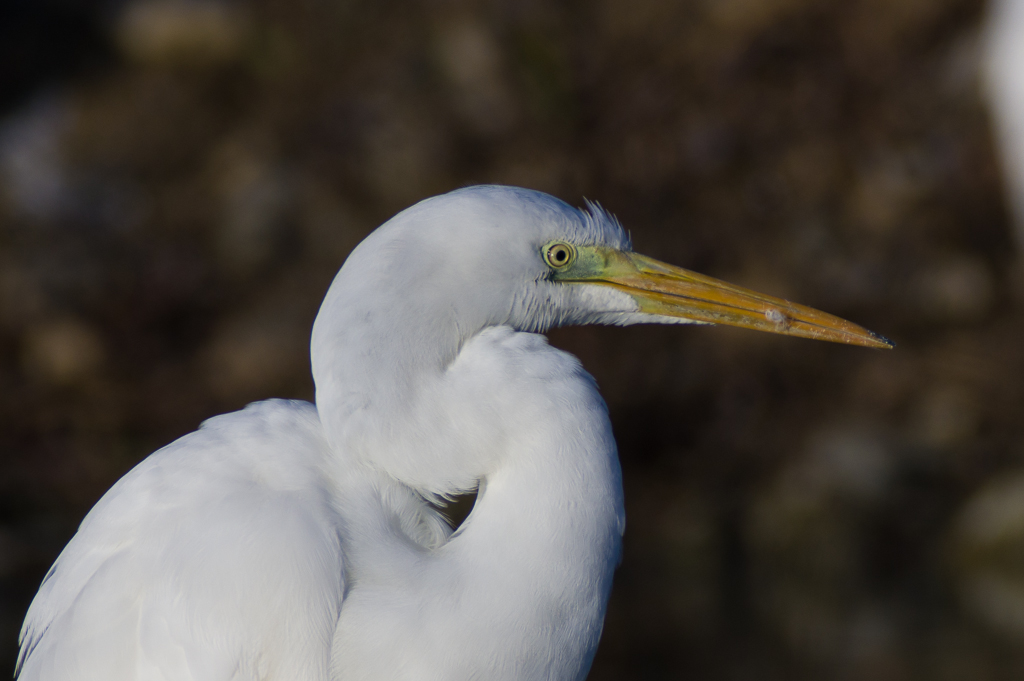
(797, 510)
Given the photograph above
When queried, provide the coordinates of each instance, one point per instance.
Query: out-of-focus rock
(21, 296)
(330, 226)
(254, 195)
(958, 290)
(852, 460)
(986, 550)
(33, 173)
(675, 560)
(255, 353)
(945, 416)
(847, 461)
(1015, 282)
(885, 192)
(885, 382)
(801, 563)
(744, 17)
(691, 538)
(62, 351)
(875, 29)
(406, 159)
(707, 146)
(182, 32)
(802, 531)
(14, 555)
(812, 170)
(962, 68)
(544, 169)
(470, 57)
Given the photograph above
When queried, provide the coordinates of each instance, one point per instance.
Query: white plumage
(293, 541)
(1003, 81)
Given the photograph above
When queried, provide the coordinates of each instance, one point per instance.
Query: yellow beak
(669, 291)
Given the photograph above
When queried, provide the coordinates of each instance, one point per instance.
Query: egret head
(493, 255)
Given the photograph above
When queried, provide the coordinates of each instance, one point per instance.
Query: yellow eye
(559, 255)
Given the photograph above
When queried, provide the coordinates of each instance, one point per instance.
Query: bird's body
(299, 541)
(235, 516)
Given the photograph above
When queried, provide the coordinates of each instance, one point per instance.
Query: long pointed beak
(666, 290)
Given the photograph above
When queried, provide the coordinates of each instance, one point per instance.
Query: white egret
(298, 541)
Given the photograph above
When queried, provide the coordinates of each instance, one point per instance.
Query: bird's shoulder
(219, 551)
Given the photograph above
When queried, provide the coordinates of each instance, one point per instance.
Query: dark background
(179, 183)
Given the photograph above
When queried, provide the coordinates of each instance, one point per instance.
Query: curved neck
(381, 351)
(520, 590)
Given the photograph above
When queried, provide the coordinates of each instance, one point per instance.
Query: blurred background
(180, 180)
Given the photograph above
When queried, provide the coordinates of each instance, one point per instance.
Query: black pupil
(560, 255)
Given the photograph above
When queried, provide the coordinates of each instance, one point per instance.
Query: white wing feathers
(216, 558)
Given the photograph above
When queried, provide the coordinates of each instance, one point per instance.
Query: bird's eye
(559, 255)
